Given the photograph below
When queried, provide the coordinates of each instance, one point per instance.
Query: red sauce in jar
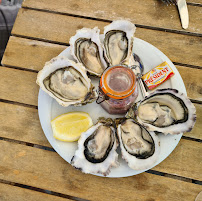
(118, 86)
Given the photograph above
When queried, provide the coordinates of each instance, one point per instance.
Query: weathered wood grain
(21, 123)
(184, 160)
(27, 128)
(148, 12)
(13, 193)
(193, 81)
(19, 48)
(30, 54)
(36, 53)
(23, 89)
(196, 132)
(59, 28)
(195, 1)
(46, 170)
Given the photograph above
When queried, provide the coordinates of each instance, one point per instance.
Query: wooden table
(30, 169)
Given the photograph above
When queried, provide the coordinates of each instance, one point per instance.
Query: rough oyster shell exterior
(177, 126)
(128, 29)
(79, 160)
(59, 63)
(93, 35)
(134, 162)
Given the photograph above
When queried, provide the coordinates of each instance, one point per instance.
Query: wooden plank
(196, 132)
(8, 193)
(23, 88)
(148, 12)
(192, 80)
(27, 128)
(195, 1)
(26, 48)
(191, 76)
(21, 123)
(178, 162)
(59, 28)
(29, 54)
(46, 170)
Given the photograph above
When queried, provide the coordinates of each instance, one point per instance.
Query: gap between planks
(194, 4)
(14, 105)
(36, 71)
(32, 89)
(27, 144)
(67, 44)
(137, 11)
(187, 65)
(18, 103)
(51, 149)
(20, 68)
(69, 25)
(40, 39)
(106, 20)
(73, 181)
(185, 179)
(155, 172)
(34, 106)
(24, 186)
(53, 193)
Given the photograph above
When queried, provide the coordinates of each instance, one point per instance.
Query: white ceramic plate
(48, 109)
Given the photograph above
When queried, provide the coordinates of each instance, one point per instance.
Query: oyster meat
(66, 81)
(139, 147)
(118, 42)
(96, 151)
(86, 48)
(166, 111)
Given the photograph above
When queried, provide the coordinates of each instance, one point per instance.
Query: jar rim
(117, 94)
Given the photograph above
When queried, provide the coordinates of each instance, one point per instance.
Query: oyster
(139, 147)
(118, 42)
(66, 81)
(166, 111)
(96, 151)
(86, 48)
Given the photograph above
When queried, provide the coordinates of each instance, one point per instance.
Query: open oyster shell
(118, 42)
(86, 48)
(166, 111)
(66, 82)
(139, 147)
(96, 151)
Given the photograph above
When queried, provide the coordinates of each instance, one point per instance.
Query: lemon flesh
(68, 127)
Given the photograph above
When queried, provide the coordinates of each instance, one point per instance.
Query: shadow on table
(8, 13)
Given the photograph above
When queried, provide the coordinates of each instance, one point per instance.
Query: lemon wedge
(68, 127)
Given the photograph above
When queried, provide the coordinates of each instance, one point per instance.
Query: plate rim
(160, 54)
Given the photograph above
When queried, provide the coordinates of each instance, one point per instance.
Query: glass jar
(117, 89)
